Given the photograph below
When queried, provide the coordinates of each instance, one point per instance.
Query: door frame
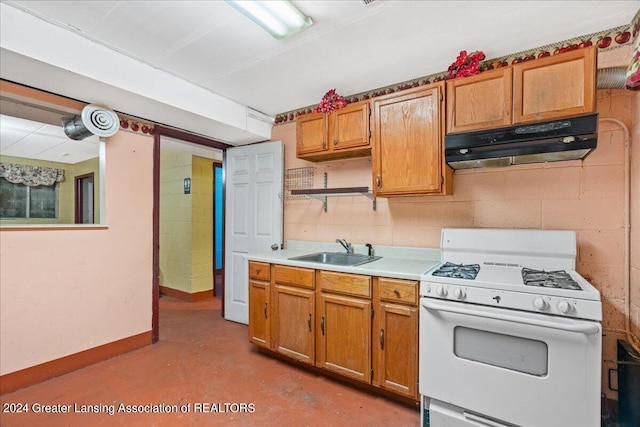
(160, 131)
(78, 198)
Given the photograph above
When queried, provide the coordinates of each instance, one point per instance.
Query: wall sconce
(187, 186)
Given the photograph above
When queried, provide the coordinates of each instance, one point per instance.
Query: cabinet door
(259, 313)
(294, 332)
(397, 349)
(479, 102)
(407, 142)
(345, 336)
(557, 86)
(349, 126)
(311, 133)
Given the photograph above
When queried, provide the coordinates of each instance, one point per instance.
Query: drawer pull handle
(322, 325)
(396, 292)
(378, 183)
(309, 322)
(266, 305)
(381, 338)
(258, 271)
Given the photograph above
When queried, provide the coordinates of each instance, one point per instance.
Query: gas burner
(549, 279)
(458, 271)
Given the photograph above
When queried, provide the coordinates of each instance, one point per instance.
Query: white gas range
(510, 333)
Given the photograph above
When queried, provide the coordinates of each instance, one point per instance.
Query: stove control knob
(565, 307)
(459, 293)
(441, 291)
(540, 304)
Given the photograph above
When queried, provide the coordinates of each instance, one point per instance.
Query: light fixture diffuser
(280, 18)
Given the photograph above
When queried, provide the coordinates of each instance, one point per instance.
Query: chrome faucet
(347, 246)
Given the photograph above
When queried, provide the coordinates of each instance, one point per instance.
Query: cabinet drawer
(294, 276)
(259, 270)
(344, 283)
(398, 291)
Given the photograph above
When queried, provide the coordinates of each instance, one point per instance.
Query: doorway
(199, 159)
(218, 227)
(84, 201)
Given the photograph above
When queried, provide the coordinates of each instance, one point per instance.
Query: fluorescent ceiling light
(280, 18)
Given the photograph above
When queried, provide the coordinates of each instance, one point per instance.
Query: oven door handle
(577, 326)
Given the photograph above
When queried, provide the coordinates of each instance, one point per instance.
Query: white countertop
(396, 262)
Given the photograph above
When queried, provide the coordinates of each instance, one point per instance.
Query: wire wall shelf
(297, 179)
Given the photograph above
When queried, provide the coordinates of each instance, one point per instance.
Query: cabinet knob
(324, 144)
(335, 142)
(396, 293)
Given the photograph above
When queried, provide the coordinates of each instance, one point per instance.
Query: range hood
(551, 141)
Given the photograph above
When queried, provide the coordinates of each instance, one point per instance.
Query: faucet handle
(371, 251)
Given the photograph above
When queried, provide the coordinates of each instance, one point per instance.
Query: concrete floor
(208, 365)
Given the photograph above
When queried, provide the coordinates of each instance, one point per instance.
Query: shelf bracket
(322, 194)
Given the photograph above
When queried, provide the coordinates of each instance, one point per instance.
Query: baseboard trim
(186, 296)
(36, 374)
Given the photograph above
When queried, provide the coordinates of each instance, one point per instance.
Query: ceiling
(187, 57)
(36, 140)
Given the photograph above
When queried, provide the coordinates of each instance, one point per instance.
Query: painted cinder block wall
(635, 221)
(175, 221)
(201, 224)
(186, 222)
(586, 196)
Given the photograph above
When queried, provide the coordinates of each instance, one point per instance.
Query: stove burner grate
(458, 271)
(549, 279)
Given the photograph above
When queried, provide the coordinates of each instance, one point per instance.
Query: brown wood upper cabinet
(408, 149)
(341, 134)
(479, 102)
(553, 87)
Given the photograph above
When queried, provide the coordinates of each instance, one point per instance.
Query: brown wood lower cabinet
(259, 299)
(345, 336)
(360, 327)
(293, 321)
(396, 330)
(259, 313)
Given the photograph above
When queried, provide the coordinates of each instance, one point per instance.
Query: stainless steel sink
(336, 258)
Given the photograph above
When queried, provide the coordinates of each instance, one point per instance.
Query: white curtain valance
(30, 175)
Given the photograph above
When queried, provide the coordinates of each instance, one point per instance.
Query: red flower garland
(466, 65)
(331, 101)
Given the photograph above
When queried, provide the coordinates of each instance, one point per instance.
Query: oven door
(510, 366)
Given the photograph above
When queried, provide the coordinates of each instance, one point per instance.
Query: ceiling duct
(93, 120)
(611, 78)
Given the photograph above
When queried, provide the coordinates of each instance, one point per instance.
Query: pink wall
(65, 291)
(584, 196)
(635, 222)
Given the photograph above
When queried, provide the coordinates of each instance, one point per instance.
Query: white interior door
(254, 180)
